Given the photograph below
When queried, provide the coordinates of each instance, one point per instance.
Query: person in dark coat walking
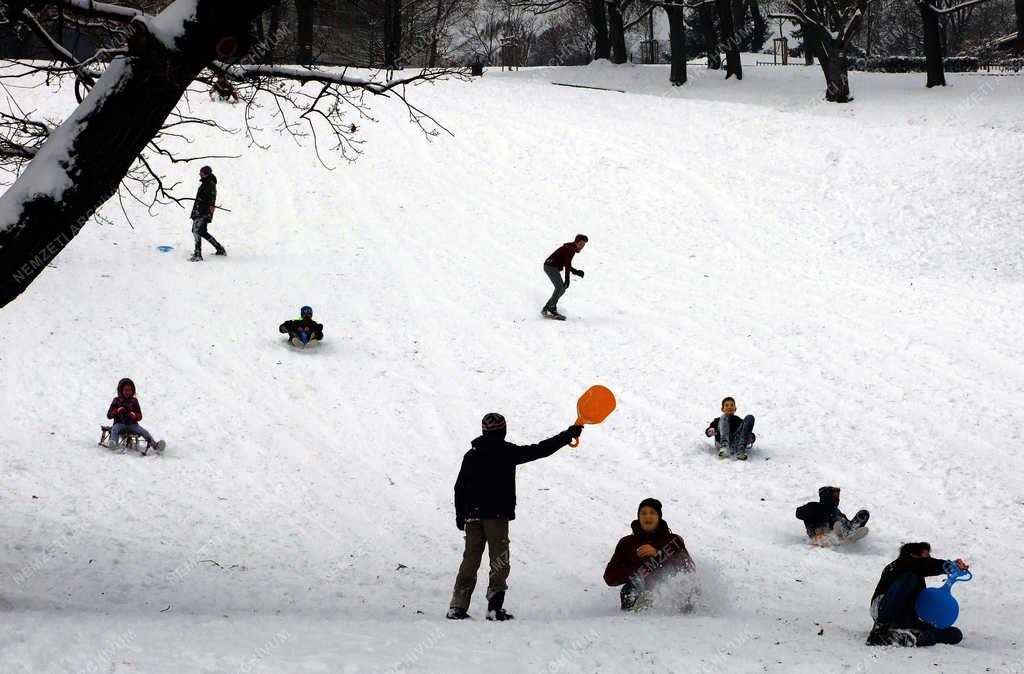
(646, 557)
(824, 518)
(485, 502)
(895, 597)
(733, 436)
(202, 213)
(553, 265)
(126, 413)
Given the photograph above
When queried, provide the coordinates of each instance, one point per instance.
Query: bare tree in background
(68, 171)
(828, 26)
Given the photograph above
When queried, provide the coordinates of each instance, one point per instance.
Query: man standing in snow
(202, 213)
(556, 262)
(485, 502)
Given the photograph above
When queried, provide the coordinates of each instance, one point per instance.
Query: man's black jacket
(486, 486)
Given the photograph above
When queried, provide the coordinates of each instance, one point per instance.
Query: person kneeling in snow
(485, 502)
(732, 435)
(646, 557)
(303, 330)
(126, 413)
(893, 604)
(824, 517)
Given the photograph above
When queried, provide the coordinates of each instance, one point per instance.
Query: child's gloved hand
(119, 411)
(710, 432)
(134, 416)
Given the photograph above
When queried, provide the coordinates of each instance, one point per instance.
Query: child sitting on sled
(733, 436)
(303, 331)
(126, 414)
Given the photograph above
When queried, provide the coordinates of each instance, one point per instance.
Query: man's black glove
(578, 272)
(575, 430)
(566, 284)
(460, 524)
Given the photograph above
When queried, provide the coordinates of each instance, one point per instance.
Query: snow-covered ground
(852, 274)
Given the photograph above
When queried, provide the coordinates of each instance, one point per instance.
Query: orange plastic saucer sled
(593, 407)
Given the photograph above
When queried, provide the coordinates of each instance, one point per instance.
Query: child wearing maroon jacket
(556, 262)
(126, 413)
(647, 556)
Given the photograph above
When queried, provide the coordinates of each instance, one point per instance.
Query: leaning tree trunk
(932, 44)
(304, 36)
(730, 41)
(595, 10)
(677, 43)
(707, 25)
(616, 33)
(85, 159)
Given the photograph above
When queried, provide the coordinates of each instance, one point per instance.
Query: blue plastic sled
(165, 249)
(936, 605)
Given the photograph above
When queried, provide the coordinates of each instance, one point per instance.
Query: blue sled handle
(954, 573)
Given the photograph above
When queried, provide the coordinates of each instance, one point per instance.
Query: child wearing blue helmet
(303, 331)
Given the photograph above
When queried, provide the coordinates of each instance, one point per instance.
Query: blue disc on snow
(164, 249)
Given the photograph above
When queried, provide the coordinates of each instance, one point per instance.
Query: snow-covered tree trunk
(392, 33)
(707, 25)
(1018, 6)
(599, 22)
(677, 43)
(837, 78)
(616, 33)
(730, 40)
(84, 160)
(932, 44)
(304, 32)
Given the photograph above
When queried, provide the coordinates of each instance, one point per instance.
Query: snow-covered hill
(851, 274)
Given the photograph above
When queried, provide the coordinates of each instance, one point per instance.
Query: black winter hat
(492, 422)
(126, 380)
(827, 493)
(653, 503)
(206, 171)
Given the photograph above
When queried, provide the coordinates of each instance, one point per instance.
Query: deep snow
(851, 274)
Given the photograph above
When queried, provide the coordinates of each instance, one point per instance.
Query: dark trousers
(492, 533)
(555, 277)
(740, 439)
(199, 233)
(896, 609)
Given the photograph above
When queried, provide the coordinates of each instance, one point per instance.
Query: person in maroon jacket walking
(647, 556)
(556, 262)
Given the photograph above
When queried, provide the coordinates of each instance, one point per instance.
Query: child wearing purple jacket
(126, 413)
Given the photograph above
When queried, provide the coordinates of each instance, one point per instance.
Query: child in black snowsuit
(733, 436)
(824, 517)
(893, 603)
(304, 330)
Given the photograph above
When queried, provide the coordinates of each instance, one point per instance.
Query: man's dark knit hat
(492, 421)
(652, 502)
